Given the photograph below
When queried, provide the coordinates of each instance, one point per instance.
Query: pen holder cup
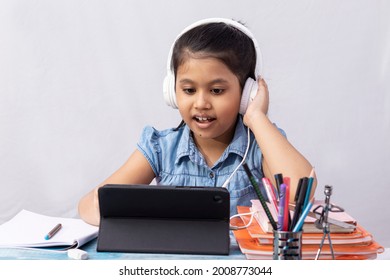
(287, 245)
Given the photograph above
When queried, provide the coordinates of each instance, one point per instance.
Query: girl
(212, 64)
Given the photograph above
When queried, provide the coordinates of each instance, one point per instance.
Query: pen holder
(287, 245)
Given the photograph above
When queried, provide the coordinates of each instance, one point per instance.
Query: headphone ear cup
(169, 90)
(248, 93)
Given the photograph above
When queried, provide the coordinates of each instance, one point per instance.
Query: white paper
(28, 229)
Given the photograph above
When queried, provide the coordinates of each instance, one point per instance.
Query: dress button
(211, 175)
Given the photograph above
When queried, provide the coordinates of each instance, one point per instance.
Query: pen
(300, 199)
(308, 191)
(302, 218)
(53, 231)
(309, 186)
(295, 215)
(259, 195)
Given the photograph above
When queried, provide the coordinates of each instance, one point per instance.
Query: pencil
(260, 196)
(312, 173)
(53, 231)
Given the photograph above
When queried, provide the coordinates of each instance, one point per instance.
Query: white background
(80, 79)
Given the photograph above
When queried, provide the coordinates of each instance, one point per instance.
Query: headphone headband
(169, 81)
(239, 26)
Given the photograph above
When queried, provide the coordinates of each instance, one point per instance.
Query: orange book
(252, 248)
(309, 225)
(358, 236)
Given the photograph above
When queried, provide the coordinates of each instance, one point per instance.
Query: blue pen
(308, 191)
(282, 198)
(299, 225)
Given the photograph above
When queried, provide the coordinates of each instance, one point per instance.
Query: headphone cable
(243, 160)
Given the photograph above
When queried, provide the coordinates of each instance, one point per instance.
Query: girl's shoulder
(152, 135)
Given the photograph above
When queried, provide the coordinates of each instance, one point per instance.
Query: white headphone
(250, 88)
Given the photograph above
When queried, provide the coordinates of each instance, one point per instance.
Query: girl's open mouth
(203, 119)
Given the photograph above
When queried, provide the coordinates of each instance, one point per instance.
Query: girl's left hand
(259, 104)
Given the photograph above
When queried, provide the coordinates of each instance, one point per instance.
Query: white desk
(27, 254)
(385, 255)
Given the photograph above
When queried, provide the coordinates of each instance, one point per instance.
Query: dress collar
(187, 147)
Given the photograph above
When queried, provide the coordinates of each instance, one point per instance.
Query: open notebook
(28, 230)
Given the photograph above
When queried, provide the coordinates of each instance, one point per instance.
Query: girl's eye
(189, 90)
(217, 91)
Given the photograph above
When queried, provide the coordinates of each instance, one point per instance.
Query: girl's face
(208, 96)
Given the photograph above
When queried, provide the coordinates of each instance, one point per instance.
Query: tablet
(164, 219)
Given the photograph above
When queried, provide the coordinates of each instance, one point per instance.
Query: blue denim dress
(176, 161)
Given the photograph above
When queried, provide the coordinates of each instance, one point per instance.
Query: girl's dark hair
(221, 41)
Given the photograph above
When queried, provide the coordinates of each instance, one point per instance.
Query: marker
(278, 181)
(286, 215)
(53, 231)
(282, 203)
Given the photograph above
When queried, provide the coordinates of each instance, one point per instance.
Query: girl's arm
(279, 156)
(136, 170)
